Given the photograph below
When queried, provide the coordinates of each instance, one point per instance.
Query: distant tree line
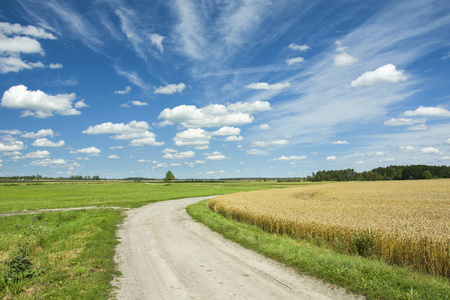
(387, 173)
(39, 177)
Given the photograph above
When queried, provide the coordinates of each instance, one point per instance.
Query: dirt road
(164, 254)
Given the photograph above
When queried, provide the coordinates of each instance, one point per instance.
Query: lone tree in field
(169, 177)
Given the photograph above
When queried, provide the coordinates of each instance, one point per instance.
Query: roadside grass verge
(364, 276)
(58, 255)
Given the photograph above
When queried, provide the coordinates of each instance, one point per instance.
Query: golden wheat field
(404, 222)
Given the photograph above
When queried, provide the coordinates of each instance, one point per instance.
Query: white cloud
(225, 131)
(81, 104)
(41, 133)
(123, 92)
(113, 156)
(447, 141)
(11, 132)
(48, 162)
(36, 154)
(429, 150)
(214, 115)
(344, 59)
(266, 86)
(294, 61)
(299, 47)
(424, 111)
(43, 105)
(43, 142)
(418, 127)
(170, 89)
(234, 138)
(289, 158)
(270, 143)
(89, 150)
(157, 41)
(331, 157)
(16, 39)
(407, 148)
(115, 147)
(118, 128)
(216, 155)
(343, 142)
(55, 66)
(384, 74)
(139, 103)
(179, 155)
(264, 127)
(403, 121)
(9, 143)
(256, 152)
(195, 137)
(148, 141)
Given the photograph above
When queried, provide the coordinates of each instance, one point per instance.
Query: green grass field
(69, 255)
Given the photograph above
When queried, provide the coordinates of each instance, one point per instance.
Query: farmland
(403, 223)
(69, 254)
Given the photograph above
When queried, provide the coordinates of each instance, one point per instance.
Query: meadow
(69, 254)
(404, 223)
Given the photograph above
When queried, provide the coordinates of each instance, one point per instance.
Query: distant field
(38, 195)
(403, 222)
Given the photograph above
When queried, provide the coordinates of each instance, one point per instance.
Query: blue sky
(213, 89)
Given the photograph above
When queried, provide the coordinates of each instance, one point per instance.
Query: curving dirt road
(164, 254)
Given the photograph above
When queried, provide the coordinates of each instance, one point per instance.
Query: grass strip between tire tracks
(372, 278)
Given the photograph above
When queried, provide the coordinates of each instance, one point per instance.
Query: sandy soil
(164, 254)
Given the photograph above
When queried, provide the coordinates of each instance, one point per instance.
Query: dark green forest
(387, 173)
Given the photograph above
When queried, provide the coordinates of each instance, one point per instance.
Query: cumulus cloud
(123, 92)
(148, 141)
(256, 152)
(424, 111)
(343, 142)
(264, 127)
(214, 115)
(384, 74)
(15, 40)
(110, 128)
(343, 58)
(429, 150)
(225, 131)
(37, 103)
(234, 138)
(194, 137)
(139, 103)
(113, 156)
(270, 143)
(403, 121)
(179, 155)
(55, 66)
(9, 143)
(41, 133)
(290, 158)
(216, 155)
(170, 89)
(294, 61)
(56, 162)
(447, 141)
(156, 40)
(331, 157)
(35, 155)
(89, 150)
(266, 86)
(81, 104)
(418, 127)
(43, 142)
(299, 47)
